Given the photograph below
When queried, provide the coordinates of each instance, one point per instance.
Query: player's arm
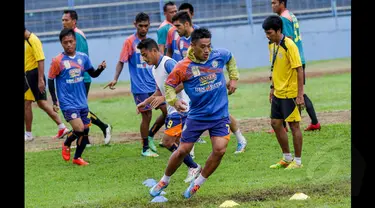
(155, 100)
(152, 97)
(53, 72)
(161, 48)
(296, 64)
(169, 52)
(231, 66)
(179, 88)
(95, 73)
(162, 37)
(168, 44)
(175, 78)
(39, 57)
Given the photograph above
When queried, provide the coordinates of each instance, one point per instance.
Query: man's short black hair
(65, 32)
(169, 3)
(186, 6)
(200, 33)
(182, 16)
(273, 22)
(283, 1)
(73, 14)
(141, 16)
(148, 44)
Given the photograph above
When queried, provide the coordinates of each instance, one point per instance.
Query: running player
(204, 82)
(142, 83)
(162, 67)
(68, 68)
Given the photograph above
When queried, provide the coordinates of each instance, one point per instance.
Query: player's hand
(41, 86)
(111, 85)
(231, 86)
(271, 94)
(140, 106)
(157, 101)
(300, 102)
(56, 107)
(180, 105)
(103, 65)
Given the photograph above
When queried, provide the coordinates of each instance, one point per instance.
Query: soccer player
(291, 30)
(286, 89)
(142, 82)
(162, 67)
(69, 20)
(204, 82)
(68, 68)
(35, 84)
(169, 9)
(182, 22)
(173, 39)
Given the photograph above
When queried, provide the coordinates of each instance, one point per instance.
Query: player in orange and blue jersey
(202, 74)
(173, 39)
(182, 22)
(68, 69)
(291, 30)
(142, 83)
(69, 20)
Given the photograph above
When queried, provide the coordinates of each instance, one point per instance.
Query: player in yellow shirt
(286, 95)
(35, 85)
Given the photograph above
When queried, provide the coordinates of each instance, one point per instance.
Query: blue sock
(187, 160)
(145, 144)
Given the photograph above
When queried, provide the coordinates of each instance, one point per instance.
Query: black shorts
(285, 109)
(31, 82)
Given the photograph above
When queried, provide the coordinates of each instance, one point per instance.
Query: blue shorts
(140, 97)
(71, 114)
(193, 129)
(174, 124)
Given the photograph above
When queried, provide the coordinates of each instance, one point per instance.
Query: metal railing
(115, 17)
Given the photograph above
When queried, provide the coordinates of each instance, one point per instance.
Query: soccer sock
(165, 178)
(298, 160)
(61, 126)
(173, 147)
(188, 160)
(155, 128)
(310, 109)
(29, 134)
(200, 180)
(95, 120)
(72, 136)
(81, 145)
(240, 138)
(288, 157)
(145, 144)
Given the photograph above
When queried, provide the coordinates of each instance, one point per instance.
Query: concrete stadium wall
(322, 39)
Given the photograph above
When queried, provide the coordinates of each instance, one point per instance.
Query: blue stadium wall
(323, 38)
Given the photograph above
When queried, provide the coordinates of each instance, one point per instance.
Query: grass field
(115, 175)
(116, 172)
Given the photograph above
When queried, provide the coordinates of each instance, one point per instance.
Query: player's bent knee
(219, 151)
